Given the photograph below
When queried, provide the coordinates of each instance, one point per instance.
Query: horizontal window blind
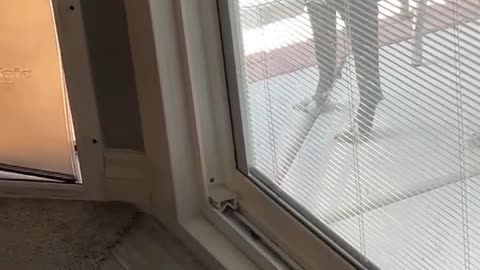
(367, 114)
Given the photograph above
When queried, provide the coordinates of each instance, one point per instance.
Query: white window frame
(310, 245)
(81, 94)
(178, 62)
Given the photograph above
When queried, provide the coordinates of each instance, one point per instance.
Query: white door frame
(81, 94)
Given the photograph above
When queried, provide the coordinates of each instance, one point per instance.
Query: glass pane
(366, 114)
(34, 125)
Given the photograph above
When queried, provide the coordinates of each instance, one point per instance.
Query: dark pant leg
(363, 22)
(323, 20)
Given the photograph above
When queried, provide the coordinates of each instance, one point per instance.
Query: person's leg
(323, 21)
(322, 14)
(363, 23)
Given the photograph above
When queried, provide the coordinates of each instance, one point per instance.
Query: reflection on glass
(35, 129)
(367, 114)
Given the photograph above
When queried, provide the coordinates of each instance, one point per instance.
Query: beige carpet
(64, 235)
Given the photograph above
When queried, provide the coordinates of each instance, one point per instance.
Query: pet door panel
(34, 128)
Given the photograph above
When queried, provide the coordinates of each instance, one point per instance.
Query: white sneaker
(312, 107)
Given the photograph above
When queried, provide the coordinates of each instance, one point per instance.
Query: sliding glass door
(36, 134)
(364, 117)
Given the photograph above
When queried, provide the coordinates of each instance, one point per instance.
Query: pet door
(36, 133)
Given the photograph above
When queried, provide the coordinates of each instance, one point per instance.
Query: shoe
(314, 107)
(362, 126)
(353, 135)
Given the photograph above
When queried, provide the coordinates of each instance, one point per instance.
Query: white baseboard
(126, 177)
